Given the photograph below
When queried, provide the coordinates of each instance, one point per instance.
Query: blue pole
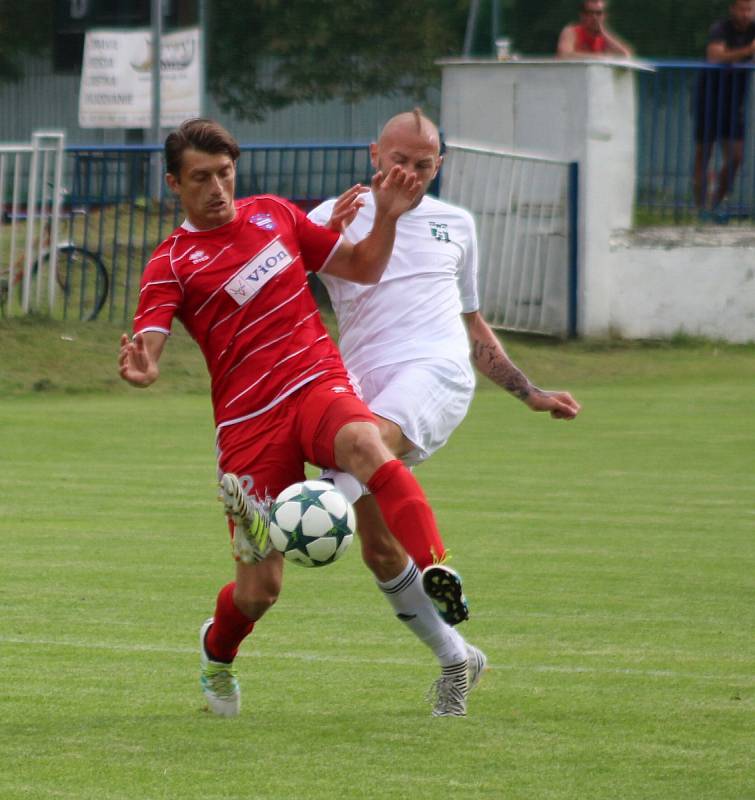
(573, 225)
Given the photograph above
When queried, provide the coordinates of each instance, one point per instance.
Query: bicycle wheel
(84, 282)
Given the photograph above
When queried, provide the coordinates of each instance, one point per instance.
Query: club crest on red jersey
(261, 268)
(264, 221)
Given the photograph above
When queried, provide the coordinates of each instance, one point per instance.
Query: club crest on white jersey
(439, 231)
(258, 271)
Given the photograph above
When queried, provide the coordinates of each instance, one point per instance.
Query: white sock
(415, 609)
(346, 484)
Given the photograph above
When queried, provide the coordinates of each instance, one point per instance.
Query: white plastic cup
(503, 48)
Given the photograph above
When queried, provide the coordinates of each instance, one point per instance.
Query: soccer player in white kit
(407, 340)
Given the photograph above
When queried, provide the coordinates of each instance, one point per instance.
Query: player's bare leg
(359, 450)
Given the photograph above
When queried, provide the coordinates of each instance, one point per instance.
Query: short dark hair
(200, 134)
(583, 7)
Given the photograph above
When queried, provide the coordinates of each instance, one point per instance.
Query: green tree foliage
(266, 54)
(25, 27)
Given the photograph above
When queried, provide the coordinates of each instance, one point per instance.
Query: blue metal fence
(694, 121)
(126, 209)
(304, 173)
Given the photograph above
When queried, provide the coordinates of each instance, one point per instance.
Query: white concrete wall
(668, 281)
(585, 112)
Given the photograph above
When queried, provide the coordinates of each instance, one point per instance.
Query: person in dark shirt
(720, 104)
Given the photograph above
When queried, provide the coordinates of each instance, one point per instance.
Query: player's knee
(360, 450)
(384, 557)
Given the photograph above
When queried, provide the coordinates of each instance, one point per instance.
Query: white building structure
(635, 284)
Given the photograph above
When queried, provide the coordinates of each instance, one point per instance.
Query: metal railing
(691, 116)
(30, 203)
(525, 209)
(129, 209)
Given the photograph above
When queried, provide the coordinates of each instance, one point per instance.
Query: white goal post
(525, 208)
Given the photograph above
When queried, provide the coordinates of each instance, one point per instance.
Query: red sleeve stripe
(154, 308)
(157, 257)
(155, 283)
(153, 328)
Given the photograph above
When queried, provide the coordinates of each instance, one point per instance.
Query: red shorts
(268, 452)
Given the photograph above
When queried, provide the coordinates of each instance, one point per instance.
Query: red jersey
(241, 291)
(586, 42)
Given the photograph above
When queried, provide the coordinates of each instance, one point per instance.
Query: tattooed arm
(491, 360)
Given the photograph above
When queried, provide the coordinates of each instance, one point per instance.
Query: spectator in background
(590, 38)
(720, 105)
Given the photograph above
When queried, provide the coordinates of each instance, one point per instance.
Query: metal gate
(30, 200)
(526, 213)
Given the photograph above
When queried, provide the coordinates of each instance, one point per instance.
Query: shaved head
(411, 124)
(411, 141)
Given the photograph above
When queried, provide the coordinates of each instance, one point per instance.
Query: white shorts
(426, 398)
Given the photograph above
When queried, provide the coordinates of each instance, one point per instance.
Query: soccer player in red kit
(234, 273)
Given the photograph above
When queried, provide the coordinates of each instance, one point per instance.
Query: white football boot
(218, 680)
(251, 522)
(477, 663)
(449, 693)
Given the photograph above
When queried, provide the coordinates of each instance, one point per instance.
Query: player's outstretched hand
(560, 405)
(135, 365)
(395, 192)
(347, 207)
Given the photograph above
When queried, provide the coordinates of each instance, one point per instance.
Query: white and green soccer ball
(312, 523)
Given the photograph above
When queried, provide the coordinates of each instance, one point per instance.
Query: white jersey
(415, 310)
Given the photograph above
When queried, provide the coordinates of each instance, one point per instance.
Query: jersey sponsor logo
(258, 271)
(264, 221)
(439, 231)
(198, 256)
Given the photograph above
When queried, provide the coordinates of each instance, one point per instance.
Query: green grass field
(610, 565)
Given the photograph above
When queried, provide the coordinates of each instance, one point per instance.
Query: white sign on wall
(116, 78)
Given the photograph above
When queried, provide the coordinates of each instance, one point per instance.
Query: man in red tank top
(590, 38)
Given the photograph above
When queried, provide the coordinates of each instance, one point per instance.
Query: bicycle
(80, 274)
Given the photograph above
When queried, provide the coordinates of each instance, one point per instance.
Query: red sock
(229, 629)
(406, 512)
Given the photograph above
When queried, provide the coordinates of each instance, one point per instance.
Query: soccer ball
(312, 523)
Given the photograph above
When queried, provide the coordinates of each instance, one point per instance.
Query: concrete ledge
(685, 236)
